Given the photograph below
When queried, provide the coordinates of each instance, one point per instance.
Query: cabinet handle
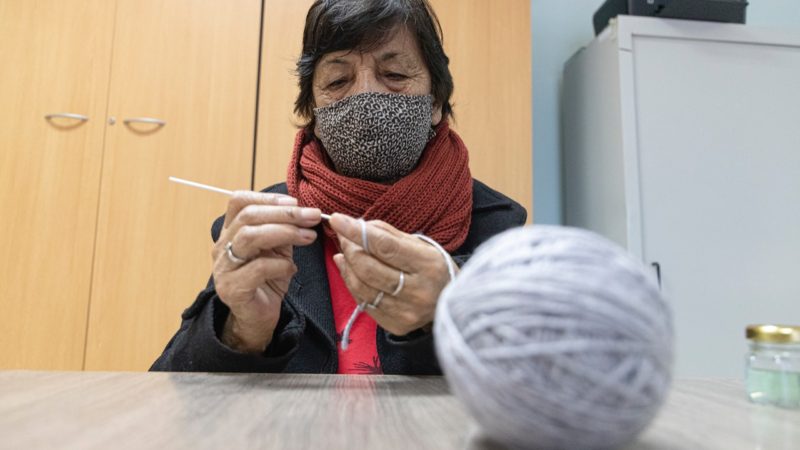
(149, 120)
(657, 267)
(80, 117)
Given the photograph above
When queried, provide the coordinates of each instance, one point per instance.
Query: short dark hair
(336, 25)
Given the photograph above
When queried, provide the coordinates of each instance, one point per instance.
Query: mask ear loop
(360, 308)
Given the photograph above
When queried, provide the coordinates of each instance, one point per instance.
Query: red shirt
(361, 356)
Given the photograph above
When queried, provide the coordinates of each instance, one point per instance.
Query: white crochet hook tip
(216, 189)
(200, 185)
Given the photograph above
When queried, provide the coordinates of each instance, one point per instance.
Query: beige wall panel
(277, 125)
(193, 64)
(55, 56)
(489, 44)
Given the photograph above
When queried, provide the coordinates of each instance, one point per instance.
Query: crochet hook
(216, 189)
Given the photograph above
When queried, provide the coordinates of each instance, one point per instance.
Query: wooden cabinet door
(489, 45)
(55, 56)
(192, 64)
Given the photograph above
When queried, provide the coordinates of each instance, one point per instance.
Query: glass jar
(773, 365)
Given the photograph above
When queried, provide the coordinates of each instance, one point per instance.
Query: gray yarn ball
(555, 337)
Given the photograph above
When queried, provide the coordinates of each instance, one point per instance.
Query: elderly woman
(287, 285)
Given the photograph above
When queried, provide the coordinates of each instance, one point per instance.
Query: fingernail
(337, 259)
(306, 234)
(309, 213)
(346, 220)
(289, 201)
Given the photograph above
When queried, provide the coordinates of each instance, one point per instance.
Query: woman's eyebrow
(335, 61)
(402, 58)
(388, 56)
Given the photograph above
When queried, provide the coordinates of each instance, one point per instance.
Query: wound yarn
(555, 337)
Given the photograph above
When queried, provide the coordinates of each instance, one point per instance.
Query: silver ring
(377, 301)
(233, 258)
(400, 284)
(364, 241)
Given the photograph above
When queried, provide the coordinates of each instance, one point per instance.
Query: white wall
(559, 29)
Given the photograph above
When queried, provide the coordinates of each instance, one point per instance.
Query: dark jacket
(304, 340)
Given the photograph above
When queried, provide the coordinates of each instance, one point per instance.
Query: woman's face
(395, 67)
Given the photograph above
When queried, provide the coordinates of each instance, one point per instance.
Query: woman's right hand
(262, 228)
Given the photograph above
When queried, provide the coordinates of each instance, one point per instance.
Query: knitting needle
(216, 189)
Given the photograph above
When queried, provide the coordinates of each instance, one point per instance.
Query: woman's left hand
(390, 251)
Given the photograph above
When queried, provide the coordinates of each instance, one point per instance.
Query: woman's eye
(396, 76)
(337, 83)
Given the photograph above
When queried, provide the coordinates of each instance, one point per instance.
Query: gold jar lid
(774, 334)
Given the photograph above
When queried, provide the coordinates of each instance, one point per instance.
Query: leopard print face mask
(376, 136)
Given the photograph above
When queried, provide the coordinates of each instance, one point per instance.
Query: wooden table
(160, 410)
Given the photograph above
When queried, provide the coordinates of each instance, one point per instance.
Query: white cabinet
(682, 143)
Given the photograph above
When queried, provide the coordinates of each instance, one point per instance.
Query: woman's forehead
(400, 45)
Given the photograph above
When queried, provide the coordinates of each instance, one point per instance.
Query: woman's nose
(367, 81)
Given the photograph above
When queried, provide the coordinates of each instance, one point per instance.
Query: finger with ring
(375, 303)
(371, 270)
(400, 284)
(232, 256)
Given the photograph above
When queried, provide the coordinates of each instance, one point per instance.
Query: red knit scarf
(434, 199)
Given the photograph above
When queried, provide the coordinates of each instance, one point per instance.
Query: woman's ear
(436, 117)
